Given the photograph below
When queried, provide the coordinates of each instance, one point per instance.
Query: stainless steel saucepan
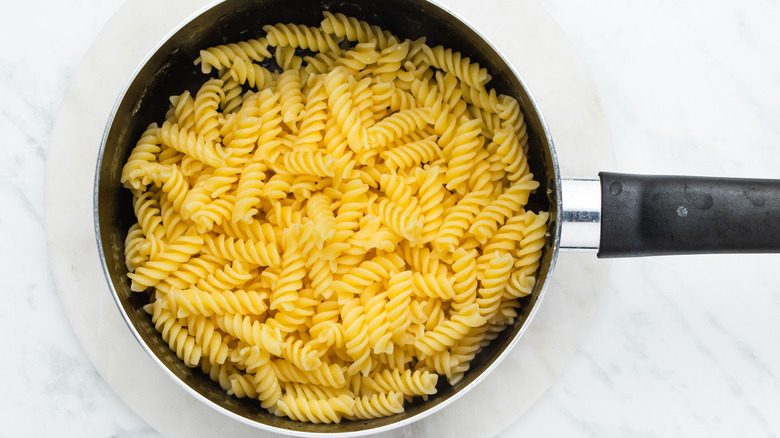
(616, 214)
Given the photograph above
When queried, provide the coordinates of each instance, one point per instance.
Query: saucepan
(617, 215)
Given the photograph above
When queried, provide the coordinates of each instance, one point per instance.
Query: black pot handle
(644, 215)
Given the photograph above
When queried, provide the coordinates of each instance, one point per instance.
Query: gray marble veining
(678, 347)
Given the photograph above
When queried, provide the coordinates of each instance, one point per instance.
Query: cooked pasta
(335, 222)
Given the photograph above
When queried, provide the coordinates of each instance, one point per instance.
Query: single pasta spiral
(316, 410)
(311, 38)
(378, 405)
(354, 30)
(225, 55)
(198, 302)
(452, 62)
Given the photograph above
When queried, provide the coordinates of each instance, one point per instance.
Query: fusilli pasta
(336, 234)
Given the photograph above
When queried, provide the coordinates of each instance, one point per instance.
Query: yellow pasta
(333, 232)
(225, 55)
(312, 38)
(408, 382)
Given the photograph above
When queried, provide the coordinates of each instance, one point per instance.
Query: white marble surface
(679, 346)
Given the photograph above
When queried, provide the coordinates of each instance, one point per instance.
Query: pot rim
(554, 227)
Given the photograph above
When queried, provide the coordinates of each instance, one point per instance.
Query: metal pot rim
(554, 230)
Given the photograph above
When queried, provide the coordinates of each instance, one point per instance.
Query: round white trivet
(529, 38)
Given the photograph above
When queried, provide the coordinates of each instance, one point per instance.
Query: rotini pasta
(408, 382)
(225, 55)
(312, 38)
(198, 302)
(335, 234)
